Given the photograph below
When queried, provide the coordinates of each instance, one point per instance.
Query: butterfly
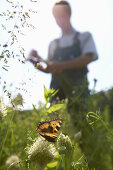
(49, 129)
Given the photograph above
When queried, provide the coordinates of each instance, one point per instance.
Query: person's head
(62, 14)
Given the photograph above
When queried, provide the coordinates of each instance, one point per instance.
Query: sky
(95, 16)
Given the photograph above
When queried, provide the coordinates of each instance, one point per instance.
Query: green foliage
(48, 94)
(55, 107)
(86, 141)
(51, 165)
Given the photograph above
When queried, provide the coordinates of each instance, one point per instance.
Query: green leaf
(55, 108)
(52, 164)
(45, 94)
(92, 117)
(34, 108)
(48, 94)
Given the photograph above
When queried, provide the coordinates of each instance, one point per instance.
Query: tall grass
(86, 141)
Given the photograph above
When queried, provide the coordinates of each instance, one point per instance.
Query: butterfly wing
(44, 127)
(49, 129)
(56, 124)
(49, 136)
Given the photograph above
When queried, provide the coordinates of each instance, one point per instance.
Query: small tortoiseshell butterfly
(49, 129)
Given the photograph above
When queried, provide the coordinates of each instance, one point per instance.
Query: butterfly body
(49, 129)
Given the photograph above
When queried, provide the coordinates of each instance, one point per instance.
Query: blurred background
(27, 25)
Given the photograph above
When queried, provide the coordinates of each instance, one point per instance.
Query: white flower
(13, 163)
(64, 141)
(41, 151)
(3, 108)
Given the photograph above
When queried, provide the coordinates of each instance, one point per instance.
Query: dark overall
(69, 82)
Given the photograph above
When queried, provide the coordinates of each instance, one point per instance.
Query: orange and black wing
(49, 136)
(49, 129)
(56, 124)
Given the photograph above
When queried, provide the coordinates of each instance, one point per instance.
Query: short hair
(61, 2)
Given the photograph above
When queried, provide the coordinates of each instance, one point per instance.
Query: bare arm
(55, 67)
(78, 62)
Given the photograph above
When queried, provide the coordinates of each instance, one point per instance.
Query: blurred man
(68, 55)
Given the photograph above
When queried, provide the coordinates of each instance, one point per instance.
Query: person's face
(62, 16)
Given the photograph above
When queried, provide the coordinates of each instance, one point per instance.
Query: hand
(51, 67)
(54, 67)
(33, 53)
(34, 57)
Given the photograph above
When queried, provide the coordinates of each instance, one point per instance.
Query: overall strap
(76, 39)
(57, 45)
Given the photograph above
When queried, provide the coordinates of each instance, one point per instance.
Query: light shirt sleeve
(87, 44)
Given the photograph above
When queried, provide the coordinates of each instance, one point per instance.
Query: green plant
(85, 142)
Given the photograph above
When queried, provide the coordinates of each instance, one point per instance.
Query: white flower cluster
(13, 163)
(64, 141)
(41, 151)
